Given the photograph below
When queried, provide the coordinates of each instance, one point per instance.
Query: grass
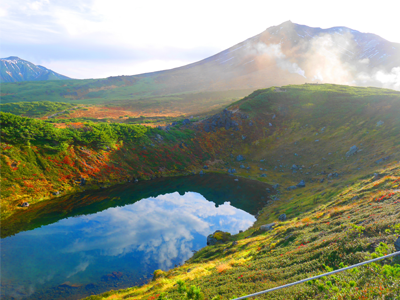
(36, 109)
(323, 239)
(338, 219)
(143, 95)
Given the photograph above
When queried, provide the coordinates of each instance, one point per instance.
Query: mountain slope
(292, 53)
(14, 69)
(285, 54)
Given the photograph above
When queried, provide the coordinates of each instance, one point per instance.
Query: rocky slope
(15, 69)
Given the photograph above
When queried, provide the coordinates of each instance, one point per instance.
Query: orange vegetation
(102, 112)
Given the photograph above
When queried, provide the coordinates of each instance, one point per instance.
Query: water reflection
(114, 248)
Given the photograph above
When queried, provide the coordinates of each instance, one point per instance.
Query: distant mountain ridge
(285, 54)
(15, 69)
(293, 54)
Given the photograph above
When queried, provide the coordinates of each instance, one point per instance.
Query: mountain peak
(288, 22)
(12, 58)
(15, 69)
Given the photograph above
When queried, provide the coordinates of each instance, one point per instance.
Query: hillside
(347, 212)
(15, 69)
(348, 209)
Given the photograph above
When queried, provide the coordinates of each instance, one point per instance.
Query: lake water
(116, 238)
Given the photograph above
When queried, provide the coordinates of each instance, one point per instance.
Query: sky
(101, 38)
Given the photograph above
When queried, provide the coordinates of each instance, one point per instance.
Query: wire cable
(318, 276)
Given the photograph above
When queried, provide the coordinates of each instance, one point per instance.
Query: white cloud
(156, 233)
(3, 12)
(82, 69)
(182, 25)
(389, 80)
(37, 5)
(163, 227)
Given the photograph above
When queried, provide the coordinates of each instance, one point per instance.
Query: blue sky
(101, 38)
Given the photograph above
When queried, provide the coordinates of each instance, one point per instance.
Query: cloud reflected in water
(163, 227)
(154, 233)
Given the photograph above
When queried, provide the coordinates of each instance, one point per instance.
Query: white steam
(275, 51)
(389, 80)
(331, 58)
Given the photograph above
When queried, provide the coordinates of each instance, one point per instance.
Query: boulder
(242, 167)
(267, 227)
(333, 175)
(263, 175)
(294, 167)
(282, 217)
(201, 172)
(293, 187)
(186, 121)
(397, 244)
(205, 167)
(239, 158)
(275, 186)
(353, 150)
(382, 159)
(25, 204)
(379, 123)
(301, 184)
(236, 179)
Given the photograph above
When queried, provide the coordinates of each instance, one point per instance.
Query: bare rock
(267, 227)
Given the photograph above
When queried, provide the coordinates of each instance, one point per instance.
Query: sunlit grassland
(333, 223)
(343, 230)
(140, 94)
(340, 220)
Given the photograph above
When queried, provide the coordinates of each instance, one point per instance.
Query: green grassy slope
(36, 109)
(339, 221)
(339, 232)
(134, 93)
(340, 217)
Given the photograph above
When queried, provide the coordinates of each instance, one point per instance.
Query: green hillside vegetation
(26, 131)
(337, 232)
(58, 91)
(35, 109)
(136, 93)
(347, 212)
